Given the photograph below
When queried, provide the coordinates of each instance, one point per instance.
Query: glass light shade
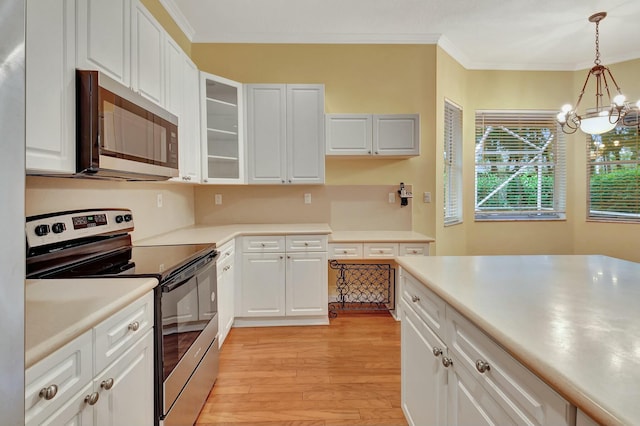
(561, 117)
(619, 99)
(596, 125)
(566, 108)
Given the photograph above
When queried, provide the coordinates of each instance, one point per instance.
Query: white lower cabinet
(226, 288)
(454, 374)
(70, 387)
(283, 278)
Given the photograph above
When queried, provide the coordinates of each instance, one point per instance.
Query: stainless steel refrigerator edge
(12, 172)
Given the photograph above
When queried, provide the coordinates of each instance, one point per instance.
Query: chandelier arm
(615, 83)
(584, 86)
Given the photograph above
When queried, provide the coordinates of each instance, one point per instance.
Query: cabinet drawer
(303, 243)
(413, 249)
(263, 243)
(345, 251)
(429, 307)
(227, 250)
(116, 334)
(380, 250)
(525, 398)
(69, 368)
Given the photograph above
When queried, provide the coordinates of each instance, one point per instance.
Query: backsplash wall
(343, 207)
(47, 194)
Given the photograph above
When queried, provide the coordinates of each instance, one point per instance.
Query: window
(520, 166)
(452, 164)
(614, 175)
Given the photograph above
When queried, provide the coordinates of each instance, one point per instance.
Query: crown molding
(179, 18)
(319, 38)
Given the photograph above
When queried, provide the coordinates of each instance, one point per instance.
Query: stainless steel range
(97, 243)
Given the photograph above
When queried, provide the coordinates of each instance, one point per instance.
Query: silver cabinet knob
(282, 180)
(289, 180)
(49, 392)
(376, 152)
(381, 251)
(281, 257)
(415, 299)
(134, 326)
(437, 351)
(306, 244)
(368, 152)
(107, 384)
(482, 366)
(92, 399)
(446, 361)
(414, 251)
(262, 244)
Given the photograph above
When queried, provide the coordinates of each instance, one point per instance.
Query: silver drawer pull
(262, 244)
(381, 251)
(446, 361)
(482, 366)
(345, 251)
(415, 299)
(134, 326)
(107, 384)
(92, 399)
(437, 351)
(414, 251)
(49, 392)
(306, 244)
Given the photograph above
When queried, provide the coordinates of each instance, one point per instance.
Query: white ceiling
(480, 34)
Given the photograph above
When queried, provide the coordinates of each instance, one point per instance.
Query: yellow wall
(167, 22)
(357, 79)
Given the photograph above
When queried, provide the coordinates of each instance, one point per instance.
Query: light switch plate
(392, 197)
(426, 197)
(159, 200)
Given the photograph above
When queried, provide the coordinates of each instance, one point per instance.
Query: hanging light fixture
(604, 117)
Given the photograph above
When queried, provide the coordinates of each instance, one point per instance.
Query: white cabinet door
(147, 53)
(174, 80)
(285, 133)
(306, 284)
(424, 379)
(263, 290)
(190, 144)
(225, 299)
(50, 86)
(104, 37)
(222, 117)
(349, 134)
(266, 133)
(126, 387)
(74, 412)
(396, 134)
(305, 133)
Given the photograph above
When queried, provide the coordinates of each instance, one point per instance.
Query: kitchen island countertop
(574, 321)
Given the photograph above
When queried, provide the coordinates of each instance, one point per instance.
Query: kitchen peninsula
(573, 321)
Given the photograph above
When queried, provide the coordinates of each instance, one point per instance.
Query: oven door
(189, 324)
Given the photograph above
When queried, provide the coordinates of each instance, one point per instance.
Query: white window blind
(614, 175)
(520, 171)
(452, 163)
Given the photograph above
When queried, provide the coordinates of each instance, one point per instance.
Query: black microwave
(120, 134)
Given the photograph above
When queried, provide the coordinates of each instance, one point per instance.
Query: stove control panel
(66, 226)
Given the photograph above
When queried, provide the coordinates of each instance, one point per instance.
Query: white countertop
(572, 320)
(218, 235)
(59, 310)
(378, 237)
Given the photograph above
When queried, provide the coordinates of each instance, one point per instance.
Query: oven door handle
(189, 272)
(166, 288)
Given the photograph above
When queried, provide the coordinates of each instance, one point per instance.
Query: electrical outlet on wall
(392, 197)
(426, 197)
(159, 200)
(218, 199)
(307, 198)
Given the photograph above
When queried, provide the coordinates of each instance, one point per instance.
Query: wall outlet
(307, 198)
(159, 200)
(392, 197)
(426, 197)
(218, 199)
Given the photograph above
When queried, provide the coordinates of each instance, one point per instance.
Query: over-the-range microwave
(121, 134)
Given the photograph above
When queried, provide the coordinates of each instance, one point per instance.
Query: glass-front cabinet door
(222, 130)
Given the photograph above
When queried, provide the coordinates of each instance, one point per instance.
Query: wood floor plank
(344, 374)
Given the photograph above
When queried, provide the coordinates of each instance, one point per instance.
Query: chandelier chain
(597, 60)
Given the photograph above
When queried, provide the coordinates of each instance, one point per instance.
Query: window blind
(614, 175)
(520, 166)
(452, 163)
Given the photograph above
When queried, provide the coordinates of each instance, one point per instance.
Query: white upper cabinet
(182, 98)
(285, 133)
(104, 38)
(222, 130)
(122, 39)
(50, 86)
(373, 134)
(147, 54)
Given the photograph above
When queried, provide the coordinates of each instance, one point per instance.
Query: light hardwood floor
(344, 374)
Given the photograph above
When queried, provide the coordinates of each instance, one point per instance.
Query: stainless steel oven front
(186, 334)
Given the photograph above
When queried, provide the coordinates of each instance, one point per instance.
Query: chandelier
(604, 117)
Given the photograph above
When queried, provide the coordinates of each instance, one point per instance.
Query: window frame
(590, 152)
(453, 170)
(544, 119)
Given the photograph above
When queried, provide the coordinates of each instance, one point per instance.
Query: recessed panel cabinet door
(104, 37)
(263, 289)
(424, 378)
(266, 133)
(307, 288)
(148, 40)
